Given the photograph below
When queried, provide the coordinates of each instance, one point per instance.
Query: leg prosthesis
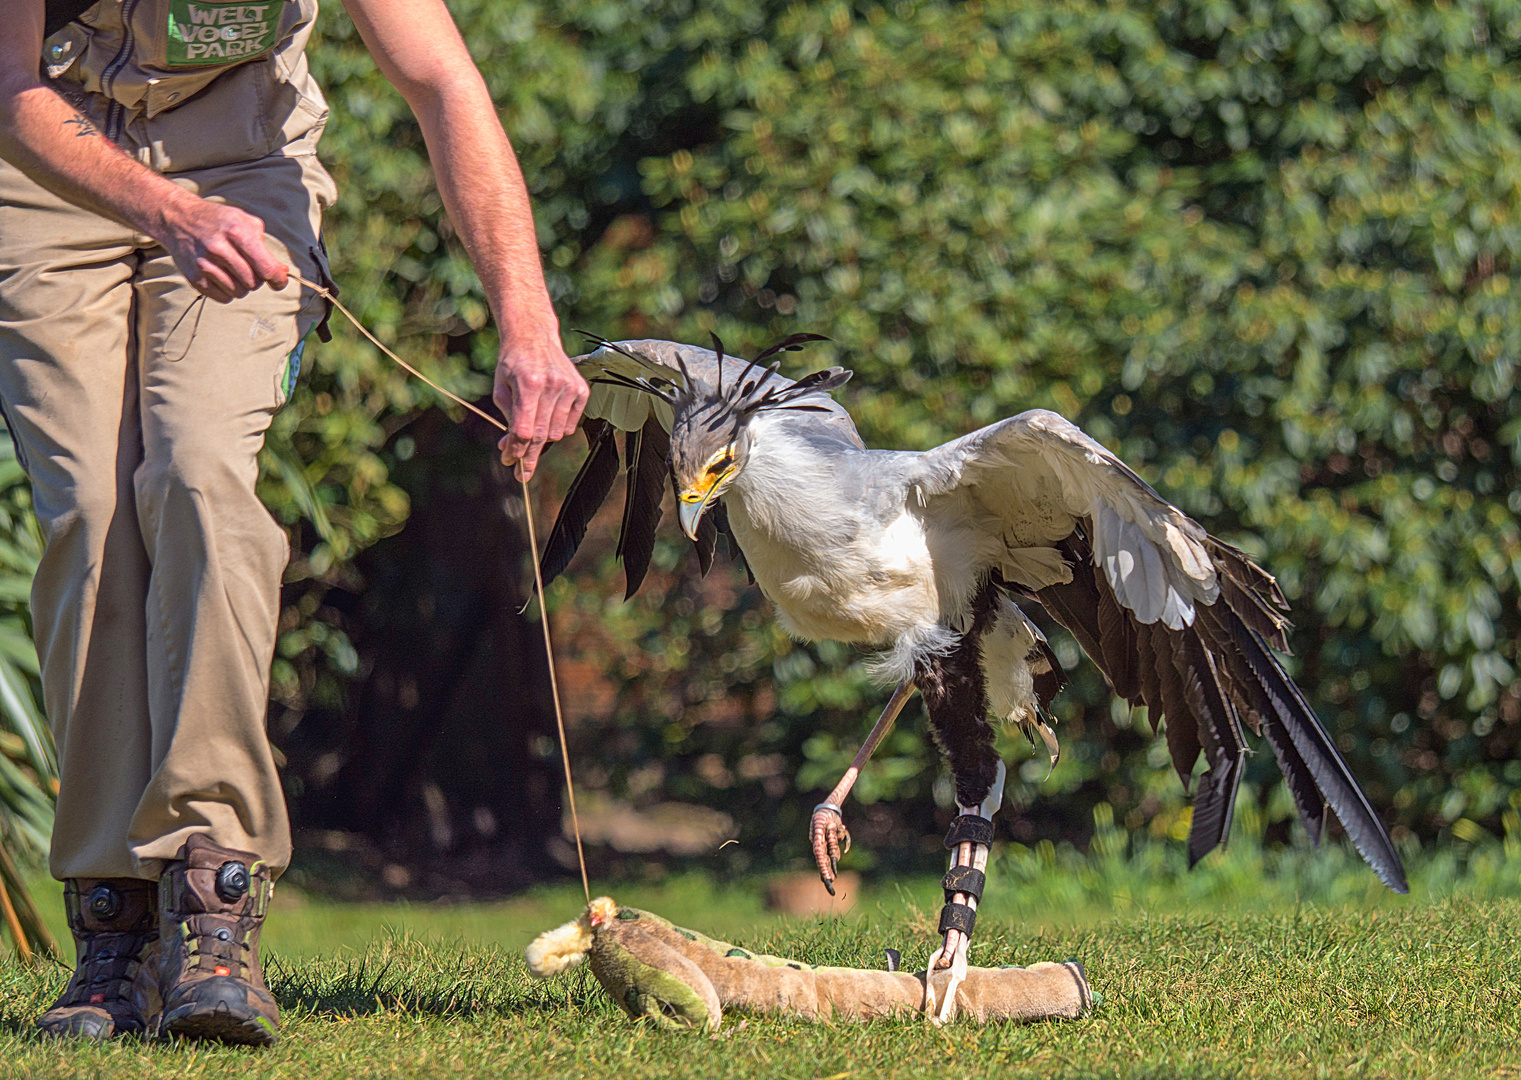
(970, 839)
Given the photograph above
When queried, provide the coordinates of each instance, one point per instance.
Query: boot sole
(223, 1027)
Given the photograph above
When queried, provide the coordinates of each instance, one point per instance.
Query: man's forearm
(219, 249)
(483, 190)
(420, 50)
(53, 143)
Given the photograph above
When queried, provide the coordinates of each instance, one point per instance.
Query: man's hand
(541, 394)
(220, 249)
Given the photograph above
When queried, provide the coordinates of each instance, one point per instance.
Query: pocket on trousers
(313, 315)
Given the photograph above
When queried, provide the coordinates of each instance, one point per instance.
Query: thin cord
(533, 545)
(349, 315)
(554, 687)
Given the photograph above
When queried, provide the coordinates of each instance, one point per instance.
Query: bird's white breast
(869, 590)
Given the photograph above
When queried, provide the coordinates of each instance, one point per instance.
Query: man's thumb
(269, 267)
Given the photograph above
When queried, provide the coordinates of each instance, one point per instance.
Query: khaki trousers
(139, 409)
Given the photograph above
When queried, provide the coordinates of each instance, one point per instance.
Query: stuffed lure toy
(682, 979)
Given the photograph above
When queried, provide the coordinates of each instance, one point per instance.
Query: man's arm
(419, 49)
(219, 249)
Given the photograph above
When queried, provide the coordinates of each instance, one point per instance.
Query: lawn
(1251, 985)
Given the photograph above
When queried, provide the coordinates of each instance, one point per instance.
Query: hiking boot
(211, 907)
(115, 922)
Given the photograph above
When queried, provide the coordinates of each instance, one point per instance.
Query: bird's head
(712, 408)
(712, 433)
(710, 441)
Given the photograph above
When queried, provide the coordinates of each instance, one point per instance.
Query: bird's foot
(830, 840)
(958, 965)
(952, 954)
(930, 968)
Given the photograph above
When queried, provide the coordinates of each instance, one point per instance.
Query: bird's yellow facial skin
(715, 474)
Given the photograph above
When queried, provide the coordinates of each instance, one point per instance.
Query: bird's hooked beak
(691, 505)
(690, 513)
(692, 502)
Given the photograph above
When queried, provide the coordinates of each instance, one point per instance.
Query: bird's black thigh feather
(955, 696)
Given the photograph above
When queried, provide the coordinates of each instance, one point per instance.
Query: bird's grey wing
(1178, 620)
(1039, 475)
(622, 376)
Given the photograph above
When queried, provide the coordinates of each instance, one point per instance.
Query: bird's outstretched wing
(632, 387)
(1177, 620)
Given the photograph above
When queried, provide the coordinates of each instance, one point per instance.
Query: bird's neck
(786, 486)
(832, 542)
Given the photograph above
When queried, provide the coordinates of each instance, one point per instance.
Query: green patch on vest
(203, 34)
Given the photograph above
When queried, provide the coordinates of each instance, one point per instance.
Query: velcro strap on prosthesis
(964, 879)
(958, 917)
(969, 828)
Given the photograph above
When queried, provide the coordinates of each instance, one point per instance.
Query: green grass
(1220, 973)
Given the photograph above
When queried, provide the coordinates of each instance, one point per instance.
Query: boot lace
(107, 966)
(217, 945)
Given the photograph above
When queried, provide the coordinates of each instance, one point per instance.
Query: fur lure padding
(682, 979)
(565, 946)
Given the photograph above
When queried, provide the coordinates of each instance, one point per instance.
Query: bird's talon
(826, 831)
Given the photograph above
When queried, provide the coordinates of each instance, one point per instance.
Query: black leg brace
(964, 879)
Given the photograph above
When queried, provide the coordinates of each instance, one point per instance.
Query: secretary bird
(922, 556)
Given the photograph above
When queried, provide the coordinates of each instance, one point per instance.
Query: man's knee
(195, 477)
(80, 507)
(200, 493)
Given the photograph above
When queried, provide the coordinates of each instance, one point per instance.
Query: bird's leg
(970, 839)
(955, 696)
(827, 830)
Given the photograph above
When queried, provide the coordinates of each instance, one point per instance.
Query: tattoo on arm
(83, 128)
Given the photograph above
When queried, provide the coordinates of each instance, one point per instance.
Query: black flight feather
(720, 515)
(1075, 603)
(1117, 644)
(1149, 683)
(1251, 592)
(1298, 723)
(706, 543)
(1214, 807)
(1225, 631)
(1220, 736)
(1182, 726)
(587, 492)
(647, 465)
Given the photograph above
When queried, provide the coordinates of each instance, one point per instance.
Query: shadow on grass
(458, 985)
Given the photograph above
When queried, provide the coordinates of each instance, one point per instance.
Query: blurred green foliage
(28, 768)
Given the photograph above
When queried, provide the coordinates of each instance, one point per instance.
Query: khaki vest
(192, 84)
